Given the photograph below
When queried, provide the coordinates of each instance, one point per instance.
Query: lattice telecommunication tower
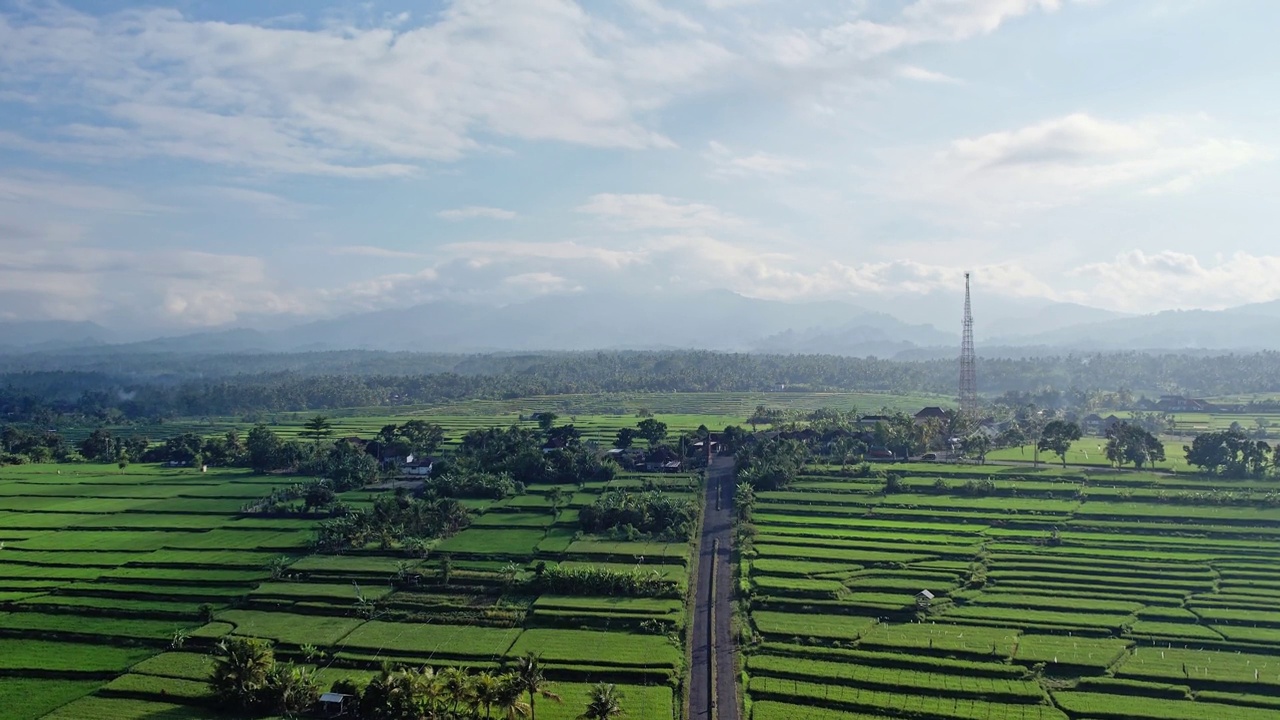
(968, 361)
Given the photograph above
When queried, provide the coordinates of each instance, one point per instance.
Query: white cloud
(911, 72)
(27, 189)
(858, 39)
(1063, 160)
(265, 203)
(344, 100)
(1168, 280)
(374, 252)
(190, 288)
(483, 253)
(659, 14)
(758, 164)
(472, 212)
(656, 212)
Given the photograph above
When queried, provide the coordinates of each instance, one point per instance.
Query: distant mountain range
(907, 327)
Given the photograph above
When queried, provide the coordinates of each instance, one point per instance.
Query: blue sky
(199, 163)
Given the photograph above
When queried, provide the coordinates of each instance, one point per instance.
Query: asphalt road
(715, 645)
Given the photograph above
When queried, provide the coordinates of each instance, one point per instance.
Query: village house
(932, 412)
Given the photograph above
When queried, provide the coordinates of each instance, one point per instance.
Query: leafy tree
(533, 682)
(1057, 437)
(555, 496)
(605, 703)
(317, 428)
(1229, 453)
(1131, 444)
(264, 449)
(318, 495)
(626, 436)
(422, 438)
(546, 420)
(651, 430)
(99, 446)
(977, 446)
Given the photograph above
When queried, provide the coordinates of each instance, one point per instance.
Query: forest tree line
(149, 388)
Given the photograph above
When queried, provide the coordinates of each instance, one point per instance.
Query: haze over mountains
(911, 326)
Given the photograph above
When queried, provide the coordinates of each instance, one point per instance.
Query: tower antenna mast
(968, 361)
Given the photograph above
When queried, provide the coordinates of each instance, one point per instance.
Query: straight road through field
(713, 681)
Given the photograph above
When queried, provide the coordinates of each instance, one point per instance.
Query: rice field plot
(46, 656)
(1108, 706)
(1077, 654)
(192, 692)
(184, 665)
(1201, 668)
(30, 698)
(786, 625)
(798, 587)
(1036, 618)
(639, 701)
(89, 627)
(943, 638)
(1049, 602)
(798, 568)
(772, 710)
(95, 707)
(895, 679)
(287, 628)
(604, 649)
(881, 703)
(429, 640)
(616, 605)
(507, 542)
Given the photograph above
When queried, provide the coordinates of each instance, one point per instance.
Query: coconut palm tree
(605, 703)
(456, 686)
(484, 691)
(533, 682)
(241, 672)
(510, 698)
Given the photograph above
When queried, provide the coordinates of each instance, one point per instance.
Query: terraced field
(114, 586)
(1063, 596)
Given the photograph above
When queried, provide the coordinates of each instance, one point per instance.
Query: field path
(714, 650)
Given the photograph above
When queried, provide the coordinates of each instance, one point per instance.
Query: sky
(210, 163)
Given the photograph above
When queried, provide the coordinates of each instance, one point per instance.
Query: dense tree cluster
(114, 387)
(1229, 453)
(651, 513)
(523, 454)
(248, 680)
(393, 519)
(771, 464)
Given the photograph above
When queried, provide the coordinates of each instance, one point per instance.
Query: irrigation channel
(713, 681)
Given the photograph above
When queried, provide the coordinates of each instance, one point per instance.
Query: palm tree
(241, 672)
(510, 699)
(534, 683)
(605, 703)
(484, 691)
(456, 685)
